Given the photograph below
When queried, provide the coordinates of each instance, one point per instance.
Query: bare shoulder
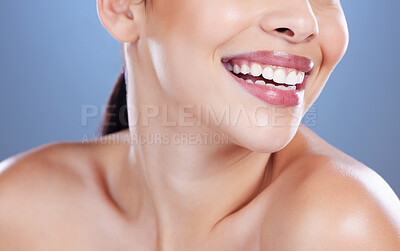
(38, 187)
(56, 163)
(335, 202)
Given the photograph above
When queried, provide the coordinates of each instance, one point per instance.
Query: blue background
(56, 57)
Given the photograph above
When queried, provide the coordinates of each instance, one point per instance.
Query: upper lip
(276, 58)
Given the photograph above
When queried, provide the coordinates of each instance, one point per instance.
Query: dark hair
(116, 116)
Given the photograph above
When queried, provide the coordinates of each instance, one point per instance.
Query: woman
(215, 157)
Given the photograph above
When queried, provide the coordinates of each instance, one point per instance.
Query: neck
(191, 188)
(186, 188)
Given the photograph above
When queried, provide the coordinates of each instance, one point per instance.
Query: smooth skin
(275, 186)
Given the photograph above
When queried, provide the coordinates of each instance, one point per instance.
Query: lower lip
(272, 95)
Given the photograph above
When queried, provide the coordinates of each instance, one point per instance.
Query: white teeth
(300, 77)
(260, 82)
(291, 79)
(280, 87)
(229, 66)
(256, 70)
(236, 69)
(289, 88)
(280, 76)
(245, 69)
(268, 73)
(249, 81)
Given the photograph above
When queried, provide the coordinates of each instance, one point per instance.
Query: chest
(96, 227)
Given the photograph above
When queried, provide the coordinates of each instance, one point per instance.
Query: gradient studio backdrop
(56, 58)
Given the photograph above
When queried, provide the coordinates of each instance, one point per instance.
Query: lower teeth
(281, 87)
(263, 82)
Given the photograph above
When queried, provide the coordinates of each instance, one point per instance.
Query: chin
(263, 139)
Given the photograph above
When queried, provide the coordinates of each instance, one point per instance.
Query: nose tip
(294, 24)
(295, 34)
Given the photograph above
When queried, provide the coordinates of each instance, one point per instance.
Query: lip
(272, 95)
(277, 58)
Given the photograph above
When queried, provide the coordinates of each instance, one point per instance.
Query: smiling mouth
(282, 78)
(275, 77)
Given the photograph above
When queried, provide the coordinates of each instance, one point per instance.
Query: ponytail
(116, 117)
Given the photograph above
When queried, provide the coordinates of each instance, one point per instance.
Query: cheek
(333, 42)
(334, 39)
(195, 26)
(185, 35)
(200, 22)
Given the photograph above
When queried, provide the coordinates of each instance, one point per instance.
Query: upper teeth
(278, 75)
